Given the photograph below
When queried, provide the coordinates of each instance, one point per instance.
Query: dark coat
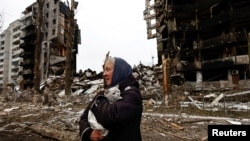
(122, 119)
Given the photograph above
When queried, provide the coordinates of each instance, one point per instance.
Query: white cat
(113, 94)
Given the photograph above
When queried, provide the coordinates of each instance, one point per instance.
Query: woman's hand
(96, 135)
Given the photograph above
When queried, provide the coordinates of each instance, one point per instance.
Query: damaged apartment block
(53, 47)
(206, 40)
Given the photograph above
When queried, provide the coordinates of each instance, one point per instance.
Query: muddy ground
(25, 121)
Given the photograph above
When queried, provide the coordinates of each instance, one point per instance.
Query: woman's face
(108, 72)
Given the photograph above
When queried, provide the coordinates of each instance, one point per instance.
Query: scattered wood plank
(53, 133)
(176, 126)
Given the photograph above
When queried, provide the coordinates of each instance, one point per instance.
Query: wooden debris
(217, 99)
(176, 126)
(55, 133)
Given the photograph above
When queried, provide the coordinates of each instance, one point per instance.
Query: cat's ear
(106, 91)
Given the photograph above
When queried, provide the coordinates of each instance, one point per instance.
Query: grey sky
(110, 25)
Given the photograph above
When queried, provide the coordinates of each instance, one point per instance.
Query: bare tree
(39, 22)
(70, 28)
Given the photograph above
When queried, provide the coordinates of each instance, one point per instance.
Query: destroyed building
(17, 45)
(9, 48)
(53, 46)
(206, 40)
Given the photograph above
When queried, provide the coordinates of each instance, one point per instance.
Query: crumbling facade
(53, 52)
(206, 40)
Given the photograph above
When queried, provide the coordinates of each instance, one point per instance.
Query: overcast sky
(106, 25)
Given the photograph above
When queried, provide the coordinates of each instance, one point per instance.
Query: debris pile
(183, 94)
(55, 115)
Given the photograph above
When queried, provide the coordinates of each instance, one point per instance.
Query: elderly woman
(121, 118)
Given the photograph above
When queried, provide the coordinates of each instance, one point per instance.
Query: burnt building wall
(209, 37)
(53, 45)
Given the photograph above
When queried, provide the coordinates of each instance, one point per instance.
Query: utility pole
(166, 78)
(39, 23)
(70, 31)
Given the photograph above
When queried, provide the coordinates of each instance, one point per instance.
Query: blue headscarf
(121, 71)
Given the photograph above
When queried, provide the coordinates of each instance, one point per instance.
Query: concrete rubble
(63, 121)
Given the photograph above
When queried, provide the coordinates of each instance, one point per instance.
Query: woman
(122, 118)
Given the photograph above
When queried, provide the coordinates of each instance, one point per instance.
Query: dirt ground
(24, 121)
